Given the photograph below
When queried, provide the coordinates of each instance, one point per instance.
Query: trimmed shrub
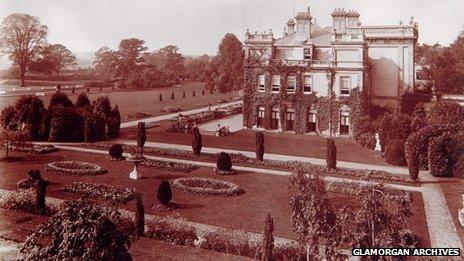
(66, 125)
(394, 152)
(413, 168)
(95, 128)
(268, 239)
(164, 194)
(40, 194)
(446, 112)
(203, 92)
(60, 99)
(197, 141)
(114, 123)
(102, 106)
(160, 98)
(83, 101)
(417, 143)
(443, 153)
(183, 94)
(193, 93)
(224, 163)
(367, 140)
(259, 148)
(141, 136)
(458, 170)
(331, 157)
(172, 96)
(115, 151)
(139, 217)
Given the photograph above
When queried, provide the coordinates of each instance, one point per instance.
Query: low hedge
(75, 168)
(172, 232)
(207, 187)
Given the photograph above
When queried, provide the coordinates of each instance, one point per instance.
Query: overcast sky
(197, 26)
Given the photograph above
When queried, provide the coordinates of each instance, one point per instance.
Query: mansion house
(283, 77)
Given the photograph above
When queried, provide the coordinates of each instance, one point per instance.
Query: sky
(197, 26)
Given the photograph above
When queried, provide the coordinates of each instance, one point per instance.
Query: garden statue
(461, 212)
(377, 142)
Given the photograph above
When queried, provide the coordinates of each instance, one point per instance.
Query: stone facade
(285, 78)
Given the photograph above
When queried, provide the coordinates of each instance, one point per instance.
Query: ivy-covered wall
(328, 109)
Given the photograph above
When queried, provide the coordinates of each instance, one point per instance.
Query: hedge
(443, 153)
(394, 152)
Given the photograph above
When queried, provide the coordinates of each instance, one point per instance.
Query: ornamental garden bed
(242, 160)
(207, 187)
(100, 190)
(75, 168)
(34, 148)
(169, 165)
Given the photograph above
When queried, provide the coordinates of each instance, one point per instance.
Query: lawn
(264, 193)
(279, 143)
(147, 101)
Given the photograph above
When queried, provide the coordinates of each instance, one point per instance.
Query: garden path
(172, 115)
(442, 231)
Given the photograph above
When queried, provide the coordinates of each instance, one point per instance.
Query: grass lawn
(278, 143)
(145, 100)
(264, 193)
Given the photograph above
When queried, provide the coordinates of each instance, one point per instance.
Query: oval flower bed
(75, 168)
(207, 187)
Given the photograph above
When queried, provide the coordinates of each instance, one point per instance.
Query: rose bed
(76, 168)
(207, 187)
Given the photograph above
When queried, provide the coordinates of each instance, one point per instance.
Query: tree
(9, 117)
(106, 62)
(30, 113)
(331, 157)
(268, 238)
(21, 36)
(173, 61)
(102, 106)
(313, 216)
(141, 135)
(129, 56)
(197, 141)
(40, 193)
(228, 72)
(83, 101)
(196, 68)
(81, 230)
(66, 125)
(53, 59)
(259, 141)
(10, 137)
(114, 123)
(164, 193)
(95, 128)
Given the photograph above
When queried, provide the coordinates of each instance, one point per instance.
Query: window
(311, 122)
(261, 83)
(345, 85)
(275, 83)
(307, 54)
(344, 123)
(260, 122)
(275, 116)
(291, 84)
(289, 119)
(307, 84)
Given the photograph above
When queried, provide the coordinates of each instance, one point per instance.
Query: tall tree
(174, 62)
(129, 56)
(21, 36)
(106, 62)
(229, 65)
(53, 59)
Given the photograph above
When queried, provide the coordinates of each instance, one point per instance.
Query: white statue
(377, 142)
(461, 212)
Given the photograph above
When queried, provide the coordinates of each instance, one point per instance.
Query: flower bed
(353, 189)
(207, 187)
(240, 159)
(37, 149)
(99, 190)
(169, 165)
(24, 200)
(224, 172)
(75, 168)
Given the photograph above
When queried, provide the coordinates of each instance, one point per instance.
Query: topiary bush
(444, 152)
(224, 163)
(331, 157)
(160, 98)
(164, 193)
(115, 151)
(141, 135)
(60, 99)
(139, 217)
(172, 96)
(394, 152)
(95, 128)
(259, 141)
(66, 125)
(197, 141)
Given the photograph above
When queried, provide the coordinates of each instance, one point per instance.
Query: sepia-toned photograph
(231, 130)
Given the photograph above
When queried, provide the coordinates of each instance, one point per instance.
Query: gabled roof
(319, 36)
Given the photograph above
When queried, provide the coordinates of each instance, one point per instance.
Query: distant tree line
(442, 65)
